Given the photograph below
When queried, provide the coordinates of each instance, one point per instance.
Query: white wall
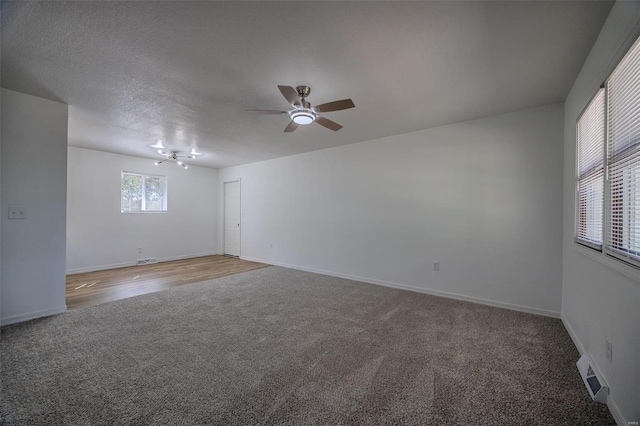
(99, 236)
(34, 159)
(601, 298)
(482, 197)
(1, 207)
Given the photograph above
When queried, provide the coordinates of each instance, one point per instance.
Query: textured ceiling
(185, 72)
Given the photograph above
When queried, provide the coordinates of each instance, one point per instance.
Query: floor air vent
(592, 380)
(147, 261)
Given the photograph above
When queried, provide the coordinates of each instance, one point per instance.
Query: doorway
(232, 218)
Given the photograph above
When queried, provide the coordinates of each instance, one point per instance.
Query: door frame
(224, 215)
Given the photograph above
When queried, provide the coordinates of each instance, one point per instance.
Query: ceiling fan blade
(328, 124)
(268, 111)
(335, 105)
(290, 94)
(291, 127)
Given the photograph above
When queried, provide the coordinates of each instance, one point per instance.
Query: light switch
(17, 213)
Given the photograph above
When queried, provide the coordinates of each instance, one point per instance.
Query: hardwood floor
(94, 288)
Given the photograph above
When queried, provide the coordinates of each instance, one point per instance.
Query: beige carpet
(279, 346)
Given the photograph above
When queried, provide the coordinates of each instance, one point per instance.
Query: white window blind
(623, 158)
(590, 132)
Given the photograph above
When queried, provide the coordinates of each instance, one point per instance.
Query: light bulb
(180, 163)
(157, 163)
(158, 144)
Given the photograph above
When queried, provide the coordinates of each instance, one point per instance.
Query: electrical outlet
(270, 245)
(609, 350)
(436, 265)
(139, 249)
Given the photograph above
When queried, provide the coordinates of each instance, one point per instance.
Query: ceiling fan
(303, 113)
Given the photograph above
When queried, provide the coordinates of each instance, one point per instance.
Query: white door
(232, 218)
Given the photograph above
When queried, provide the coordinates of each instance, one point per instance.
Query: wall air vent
(597, 388)
(147, 261)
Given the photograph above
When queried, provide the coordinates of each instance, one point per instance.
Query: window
(143, 193)
(590, 133)
(623, 159)
(609, 129)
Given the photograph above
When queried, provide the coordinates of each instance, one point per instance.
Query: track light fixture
(174, 157)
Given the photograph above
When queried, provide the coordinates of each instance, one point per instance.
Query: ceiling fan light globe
(303, 117)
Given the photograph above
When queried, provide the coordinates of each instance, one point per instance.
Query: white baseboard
(189, 256)
(100, 268)
(613, 408)
(573, 336)
(432, 292)
(32, 315)
(615, 412)
(134, 263)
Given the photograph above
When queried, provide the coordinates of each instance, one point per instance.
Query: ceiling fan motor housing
(303, 91)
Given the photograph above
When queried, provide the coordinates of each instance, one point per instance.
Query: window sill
(618, 266)
(147, 211)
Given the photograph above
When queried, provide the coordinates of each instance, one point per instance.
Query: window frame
(144, 198)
